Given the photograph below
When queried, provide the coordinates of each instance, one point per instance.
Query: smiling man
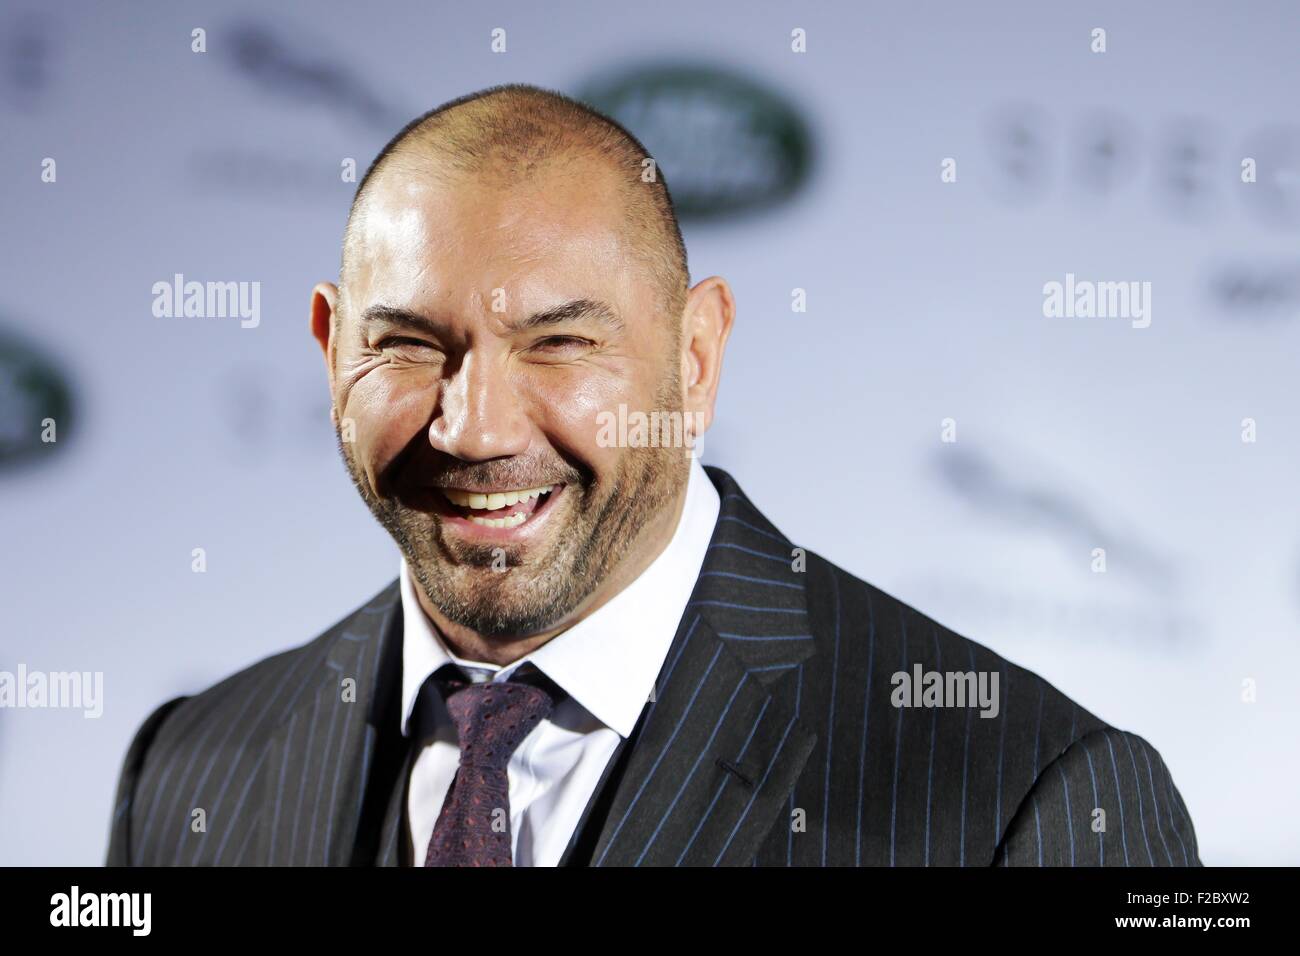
(598, 652)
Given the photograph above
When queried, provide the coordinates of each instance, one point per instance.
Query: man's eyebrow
(403, 317)
(569, 311)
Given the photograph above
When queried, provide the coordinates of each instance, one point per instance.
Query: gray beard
(493, 591)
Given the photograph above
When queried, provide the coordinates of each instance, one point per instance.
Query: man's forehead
(427, 212)
(414, 225)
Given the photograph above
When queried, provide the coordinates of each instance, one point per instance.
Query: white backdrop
(924, 303)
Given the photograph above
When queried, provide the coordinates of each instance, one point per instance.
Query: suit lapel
(320, 758)
(722, 744)
(393, 834)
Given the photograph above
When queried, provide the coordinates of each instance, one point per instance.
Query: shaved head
(512, 134)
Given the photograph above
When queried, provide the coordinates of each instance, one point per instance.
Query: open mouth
(500, 509)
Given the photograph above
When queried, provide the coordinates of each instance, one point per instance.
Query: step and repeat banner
(1018, 318)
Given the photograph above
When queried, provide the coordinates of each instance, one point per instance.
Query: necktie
(492, 719)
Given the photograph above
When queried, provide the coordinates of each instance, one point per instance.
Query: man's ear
(324, 307)
(706, 325)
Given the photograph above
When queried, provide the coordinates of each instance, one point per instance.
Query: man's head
(512, 274)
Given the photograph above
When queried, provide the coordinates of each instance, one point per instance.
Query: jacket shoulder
(169, 752)
(960, 725)
(1108, 800)
(908, 636)
(119, 838)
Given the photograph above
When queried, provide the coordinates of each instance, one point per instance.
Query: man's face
(485, 325)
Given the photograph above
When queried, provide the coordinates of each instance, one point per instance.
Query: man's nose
(479, 415)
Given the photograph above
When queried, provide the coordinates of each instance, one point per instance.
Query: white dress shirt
(606, 664)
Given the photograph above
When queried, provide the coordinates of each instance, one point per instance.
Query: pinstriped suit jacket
(771, 741)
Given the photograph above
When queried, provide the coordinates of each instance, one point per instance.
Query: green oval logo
(725, 144)
(35, 402)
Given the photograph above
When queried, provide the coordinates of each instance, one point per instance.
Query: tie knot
(492, 719)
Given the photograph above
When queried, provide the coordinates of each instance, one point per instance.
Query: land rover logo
(724, 143)
(35, 402)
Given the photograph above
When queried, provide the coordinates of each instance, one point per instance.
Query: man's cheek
(581, 413)
(574, 434)
(386, 415)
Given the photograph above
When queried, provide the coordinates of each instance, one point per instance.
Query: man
(598, 652)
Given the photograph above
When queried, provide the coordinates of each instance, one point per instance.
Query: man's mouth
(499, 509)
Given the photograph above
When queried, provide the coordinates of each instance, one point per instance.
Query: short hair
(517, 129)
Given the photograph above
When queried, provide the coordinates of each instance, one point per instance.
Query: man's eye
(559, 342)
(400, 341)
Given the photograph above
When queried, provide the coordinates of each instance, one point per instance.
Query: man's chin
(497, 619)
(498, 599)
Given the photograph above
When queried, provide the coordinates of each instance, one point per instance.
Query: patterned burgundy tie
(492, 719)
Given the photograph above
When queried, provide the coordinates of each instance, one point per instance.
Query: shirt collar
(609, 660)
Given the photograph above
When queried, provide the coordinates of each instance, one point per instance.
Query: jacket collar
(722, 743)
(322, 756)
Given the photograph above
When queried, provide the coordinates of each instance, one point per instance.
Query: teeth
(494, 500)
(513, 521)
